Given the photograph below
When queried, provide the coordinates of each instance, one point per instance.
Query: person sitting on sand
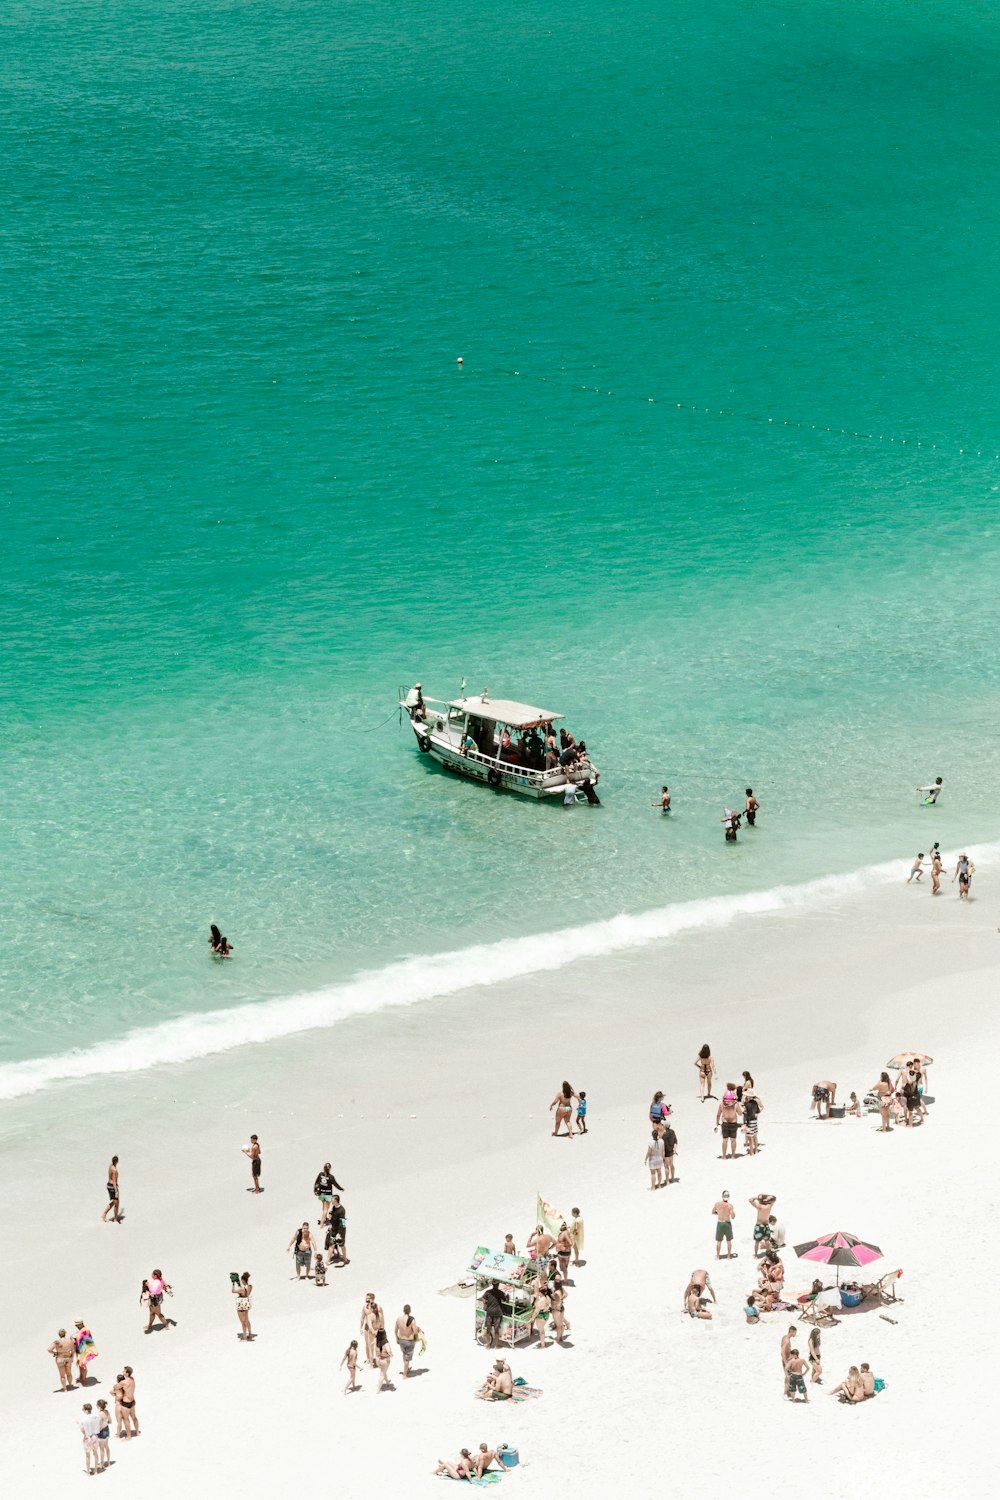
(752, 1315)
(484, 1458)
(812, 1294)
(824, 1094)
(772, 1273)
(867, 1381)
(700, 1282)
(461, 1468)
(499, 1383)
(854, 1108)
(851, 1389)
(693, 1307)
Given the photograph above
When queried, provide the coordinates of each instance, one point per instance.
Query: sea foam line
(428, 977)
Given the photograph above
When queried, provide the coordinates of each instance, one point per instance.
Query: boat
(497, 742)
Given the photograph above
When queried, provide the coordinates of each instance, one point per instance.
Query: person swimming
(220, 946)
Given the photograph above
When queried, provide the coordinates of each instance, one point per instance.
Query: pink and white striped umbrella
(839, 1249)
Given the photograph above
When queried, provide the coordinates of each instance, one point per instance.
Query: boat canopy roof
(505, 711)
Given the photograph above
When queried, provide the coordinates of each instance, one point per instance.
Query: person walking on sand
(563, 1106)
(795, 1385)
(916, 869)
(103, 1436)
(301, 1243)
(61, 1349)
(383, 1359)
(126, 1382)
(764, 1204)
(824, 1093)
(114, 1202)
(157, 1289)
(576, 1234)
(727, 1117)
(407, 1333)
(964, 872)
(323, 1189)
(85, 1349)
(88, 1426)
(372, 1319)
(724, 1213)
(253, 1152)
(815, 1358)
(883, 1090)
(752, 807)
(350, 1359)
(654, 1161)
(705, 1063)
(243, 1292)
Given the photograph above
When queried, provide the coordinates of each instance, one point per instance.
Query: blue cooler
(509, 1457)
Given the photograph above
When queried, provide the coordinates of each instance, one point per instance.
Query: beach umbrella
(902, 1058)
(839, 1249)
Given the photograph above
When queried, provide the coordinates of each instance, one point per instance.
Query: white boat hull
(500, 775)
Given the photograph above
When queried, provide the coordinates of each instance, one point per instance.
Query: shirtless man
(867, 1381)
(301, 1243)
(499, 1383)
(701, 1282)
(752, 807)
(763, 1203)
(795, 1370)
(406, 1335)
(724, 1213)
(115, 1202)
(541, 1242)
(483, 1459)
(62, 1348)
(664, 802)
(727, 1116)
(127, 1399)
(824, 1094)
(252, 1152)
(786, 1352)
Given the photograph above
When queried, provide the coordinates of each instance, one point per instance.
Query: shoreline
(435, 1120)
(428, 978)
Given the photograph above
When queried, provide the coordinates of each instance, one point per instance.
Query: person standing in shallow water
(752, 807)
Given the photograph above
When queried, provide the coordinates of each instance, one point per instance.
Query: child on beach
(752, 1315)
(320, 1276)
(854, 1108)
(581, 1112)
(917, 869)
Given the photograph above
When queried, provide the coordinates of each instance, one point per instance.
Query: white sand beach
(434, 1118)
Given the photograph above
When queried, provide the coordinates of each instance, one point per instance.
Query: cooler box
(509, 1457)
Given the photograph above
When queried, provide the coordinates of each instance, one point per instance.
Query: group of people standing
(378, 1350)
(95, 1420)
(964, 871)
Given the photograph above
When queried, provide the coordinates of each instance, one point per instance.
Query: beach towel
(525, 1392)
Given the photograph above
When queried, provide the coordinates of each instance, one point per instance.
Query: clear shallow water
(249, 493)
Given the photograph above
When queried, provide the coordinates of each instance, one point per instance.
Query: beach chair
(819, 1314)
(884, 1289)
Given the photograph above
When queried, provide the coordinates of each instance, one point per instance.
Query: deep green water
(248, 492)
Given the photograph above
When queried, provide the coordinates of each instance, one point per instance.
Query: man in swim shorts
(763, 1203)
(727, 1117)
(114, 1204)
(795, 1384)
(824, 1094)
(724, 1213)
(253, 1152)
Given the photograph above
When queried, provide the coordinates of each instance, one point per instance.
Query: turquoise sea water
(248, 491)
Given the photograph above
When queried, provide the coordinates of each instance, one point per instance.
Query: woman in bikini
(541, 1309)
(883, 1091)
(371, 1321)
(383, 1359)
(705, 1063)
(462, 1468)
(103, 1436)
(851, 1389)
(558, 1300)
(563, 1106)
(815, 1358)
(243, 1292)
(654, 1161)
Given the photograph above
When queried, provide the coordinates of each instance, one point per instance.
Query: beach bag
(509, 1457)
(879, 1385)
